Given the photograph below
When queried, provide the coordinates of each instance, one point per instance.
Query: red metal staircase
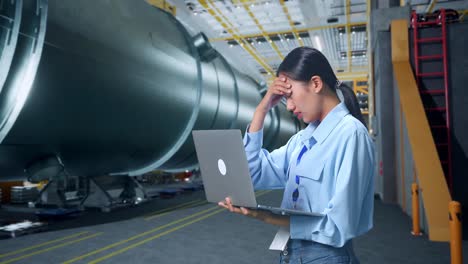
(431, 71)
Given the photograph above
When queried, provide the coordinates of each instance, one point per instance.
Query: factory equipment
(116, 94)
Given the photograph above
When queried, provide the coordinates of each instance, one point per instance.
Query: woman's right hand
(279, 88)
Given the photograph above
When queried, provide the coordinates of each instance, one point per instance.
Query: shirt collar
(317, 131)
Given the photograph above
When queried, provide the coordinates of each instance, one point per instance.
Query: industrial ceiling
(261, 32)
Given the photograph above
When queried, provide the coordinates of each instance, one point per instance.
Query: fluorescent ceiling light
(318, 43)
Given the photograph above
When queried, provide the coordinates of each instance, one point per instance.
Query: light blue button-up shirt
(336, 176)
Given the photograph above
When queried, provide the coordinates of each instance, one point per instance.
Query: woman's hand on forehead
(281, 86)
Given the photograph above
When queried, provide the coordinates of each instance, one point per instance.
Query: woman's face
(305, 100)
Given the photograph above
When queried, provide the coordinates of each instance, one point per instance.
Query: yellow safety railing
(359, 88)
(462, 13)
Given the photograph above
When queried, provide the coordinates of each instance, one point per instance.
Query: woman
(327, 167)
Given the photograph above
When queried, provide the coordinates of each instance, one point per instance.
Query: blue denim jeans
(310, 252)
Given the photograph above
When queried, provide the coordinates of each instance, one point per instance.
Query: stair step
(430, 74)
(434, 22)
(430, 57)
(436, 109)
(429, 40)
(433, 92)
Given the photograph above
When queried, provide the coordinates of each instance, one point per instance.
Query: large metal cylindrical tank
(119, 87)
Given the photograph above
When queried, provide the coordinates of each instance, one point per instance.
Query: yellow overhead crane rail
(358, 87)
(291, 23)
(218, 15)
(462, 13)
(282, 32)
(163, 5)
(360, 68)
(348, 29)
(349, 76)
(264, 34)
(370, 66)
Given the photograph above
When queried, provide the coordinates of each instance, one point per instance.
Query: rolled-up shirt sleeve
(350, 210)
(268, 170)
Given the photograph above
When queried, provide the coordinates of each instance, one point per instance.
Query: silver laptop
(225, 171)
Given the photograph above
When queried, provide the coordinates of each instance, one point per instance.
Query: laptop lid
(224, 168)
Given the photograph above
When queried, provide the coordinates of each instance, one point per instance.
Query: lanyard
(295, 194)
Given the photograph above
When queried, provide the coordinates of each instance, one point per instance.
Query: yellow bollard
(415, 199)
(455, 232)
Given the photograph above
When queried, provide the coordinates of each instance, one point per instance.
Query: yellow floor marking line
(170, 209)
(136, 236)
(155, 237)
(49, 249)
(163, 233)
(200, 202)
(40, 245)
(260, 193)
(184, 207)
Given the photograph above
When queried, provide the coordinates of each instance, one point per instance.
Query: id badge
(281, 239)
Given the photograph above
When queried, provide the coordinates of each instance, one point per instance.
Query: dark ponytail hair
(304, 62)
(351, 102)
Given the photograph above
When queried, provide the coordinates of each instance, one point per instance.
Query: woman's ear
(316, 84)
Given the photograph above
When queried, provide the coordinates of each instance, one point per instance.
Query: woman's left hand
(265, 216)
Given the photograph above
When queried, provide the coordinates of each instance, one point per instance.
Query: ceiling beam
(260, 27)
(340, 6)
(291, 23)
(301, 30)
(370, 69)
(218, 15)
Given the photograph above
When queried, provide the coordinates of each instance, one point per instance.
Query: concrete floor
(162, 231)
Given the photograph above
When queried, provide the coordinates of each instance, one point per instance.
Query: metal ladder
(438, 115)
